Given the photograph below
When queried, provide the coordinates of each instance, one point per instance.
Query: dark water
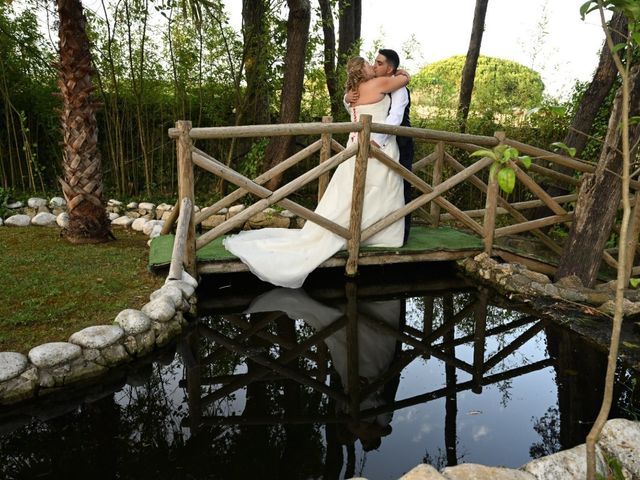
(337, 380)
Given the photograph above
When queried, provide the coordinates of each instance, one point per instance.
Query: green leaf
(484, 153)
(617, 47)
(587, 7)
(634, 120)
(634, 282)
(507, 179)
(636, 37)
(526, 160)
(571, 151)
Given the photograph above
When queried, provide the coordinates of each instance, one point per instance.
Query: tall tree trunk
(255, 32)
(600, 195)
(329, 35)
(471, 62)
(280, 147)
(349, 24)
(82, 183)
(591, 102)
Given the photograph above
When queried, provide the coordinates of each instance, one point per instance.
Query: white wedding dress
(285, 257)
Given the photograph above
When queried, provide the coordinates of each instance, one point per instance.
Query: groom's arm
(399, 101)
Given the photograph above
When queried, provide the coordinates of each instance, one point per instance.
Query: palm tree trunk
(82, 183)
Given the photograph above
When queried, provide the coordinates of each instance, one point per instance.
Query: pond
(339, 379)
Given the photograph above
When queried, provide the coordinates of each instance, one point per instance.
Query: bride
(285, 257)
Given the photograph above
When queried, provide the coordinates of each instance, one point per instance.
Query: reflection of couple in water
(376, 352)
(284, 257)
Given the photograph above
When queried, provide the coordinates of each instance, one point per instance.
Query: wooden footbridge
(451, 232)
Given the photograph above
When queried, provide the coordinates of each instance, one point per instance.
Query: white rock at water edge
(161, 309)
(18, 221)
(150, 225)
(52, 354)
(12, 364)
(133, 321)
(44, 219)
(99, 336)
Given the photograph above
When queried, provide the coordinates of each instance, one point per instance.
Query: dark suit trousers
(406, 160)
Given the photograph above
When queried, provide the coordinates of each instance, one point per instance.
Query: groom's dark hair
(391, 56)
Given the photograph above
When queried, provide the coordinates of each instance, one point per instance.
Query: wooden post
(491, 204)
(173, 217)
(179, 253)
(325, 153)
(357, 197)
(186, 190)
(436, 179)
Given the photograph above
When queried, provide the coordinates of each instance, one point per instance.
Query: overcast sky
(546, 35)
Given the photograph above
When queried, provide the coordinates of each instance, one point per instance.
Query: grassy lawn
(51, 289)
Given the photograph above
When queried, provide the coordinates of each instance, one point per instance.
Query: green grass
(51, 289)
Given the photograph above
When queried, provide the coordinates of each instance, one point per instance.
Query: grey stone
(570, 281)
(146, 206)
(36, 202)
(156, 232)
(160, 309)
(471, 471)
(123, 221)
(113, 216)
(18, 221)
(165, 332)
(56, 202)
(114, 203)
(99, 336)
(138, 224)
(133, 321)
(187, 289)
(174, 293)
(186, 277)
(213, 221)
(609, 286)
(15, 205)
(620, 439)
(234, 210)
(43, 209)
(84, 371)
(567, 464)
(132, 205)
(150, 225)
(46, 380)
(548, 289)
(628, 307)
(63, 220)
(287, 214)
(12, 364)
(423, 472)
(91, 355)
(114, 355)
(133, 214)
(572, 295)
(19, 388)
(44, 220)
(537, 277)
(267, 220)
(52, 354)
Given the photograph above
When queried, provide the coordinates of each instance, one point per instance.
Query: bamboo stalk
(357, 197)
(179, 252)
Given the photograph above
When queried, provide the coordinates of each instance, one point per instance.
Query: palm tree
(82, 183)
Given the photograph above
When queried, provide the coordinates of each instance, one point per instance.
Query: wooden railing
(447, 172)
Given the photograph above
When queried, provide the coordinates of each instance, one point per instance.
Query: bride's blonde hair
(355, 73)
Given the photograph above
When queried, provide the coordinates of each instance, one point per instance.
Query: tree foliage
(500, 86)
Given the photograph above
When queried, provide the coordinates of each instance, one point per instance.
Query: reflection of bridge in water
(351, 350)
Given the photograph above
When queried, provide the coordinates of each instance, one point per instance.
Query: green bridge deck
(425, 244)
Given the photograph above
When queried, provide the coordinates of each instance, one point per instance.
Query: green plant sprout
(501, 156)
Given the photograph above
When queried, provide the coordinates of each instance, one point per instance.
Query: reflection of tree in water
(548, 427)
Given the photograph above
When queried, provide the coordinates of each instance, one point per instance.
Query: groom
(385, 65)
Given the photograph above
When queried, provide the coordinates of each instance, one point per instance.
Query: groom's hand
(352, 97)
